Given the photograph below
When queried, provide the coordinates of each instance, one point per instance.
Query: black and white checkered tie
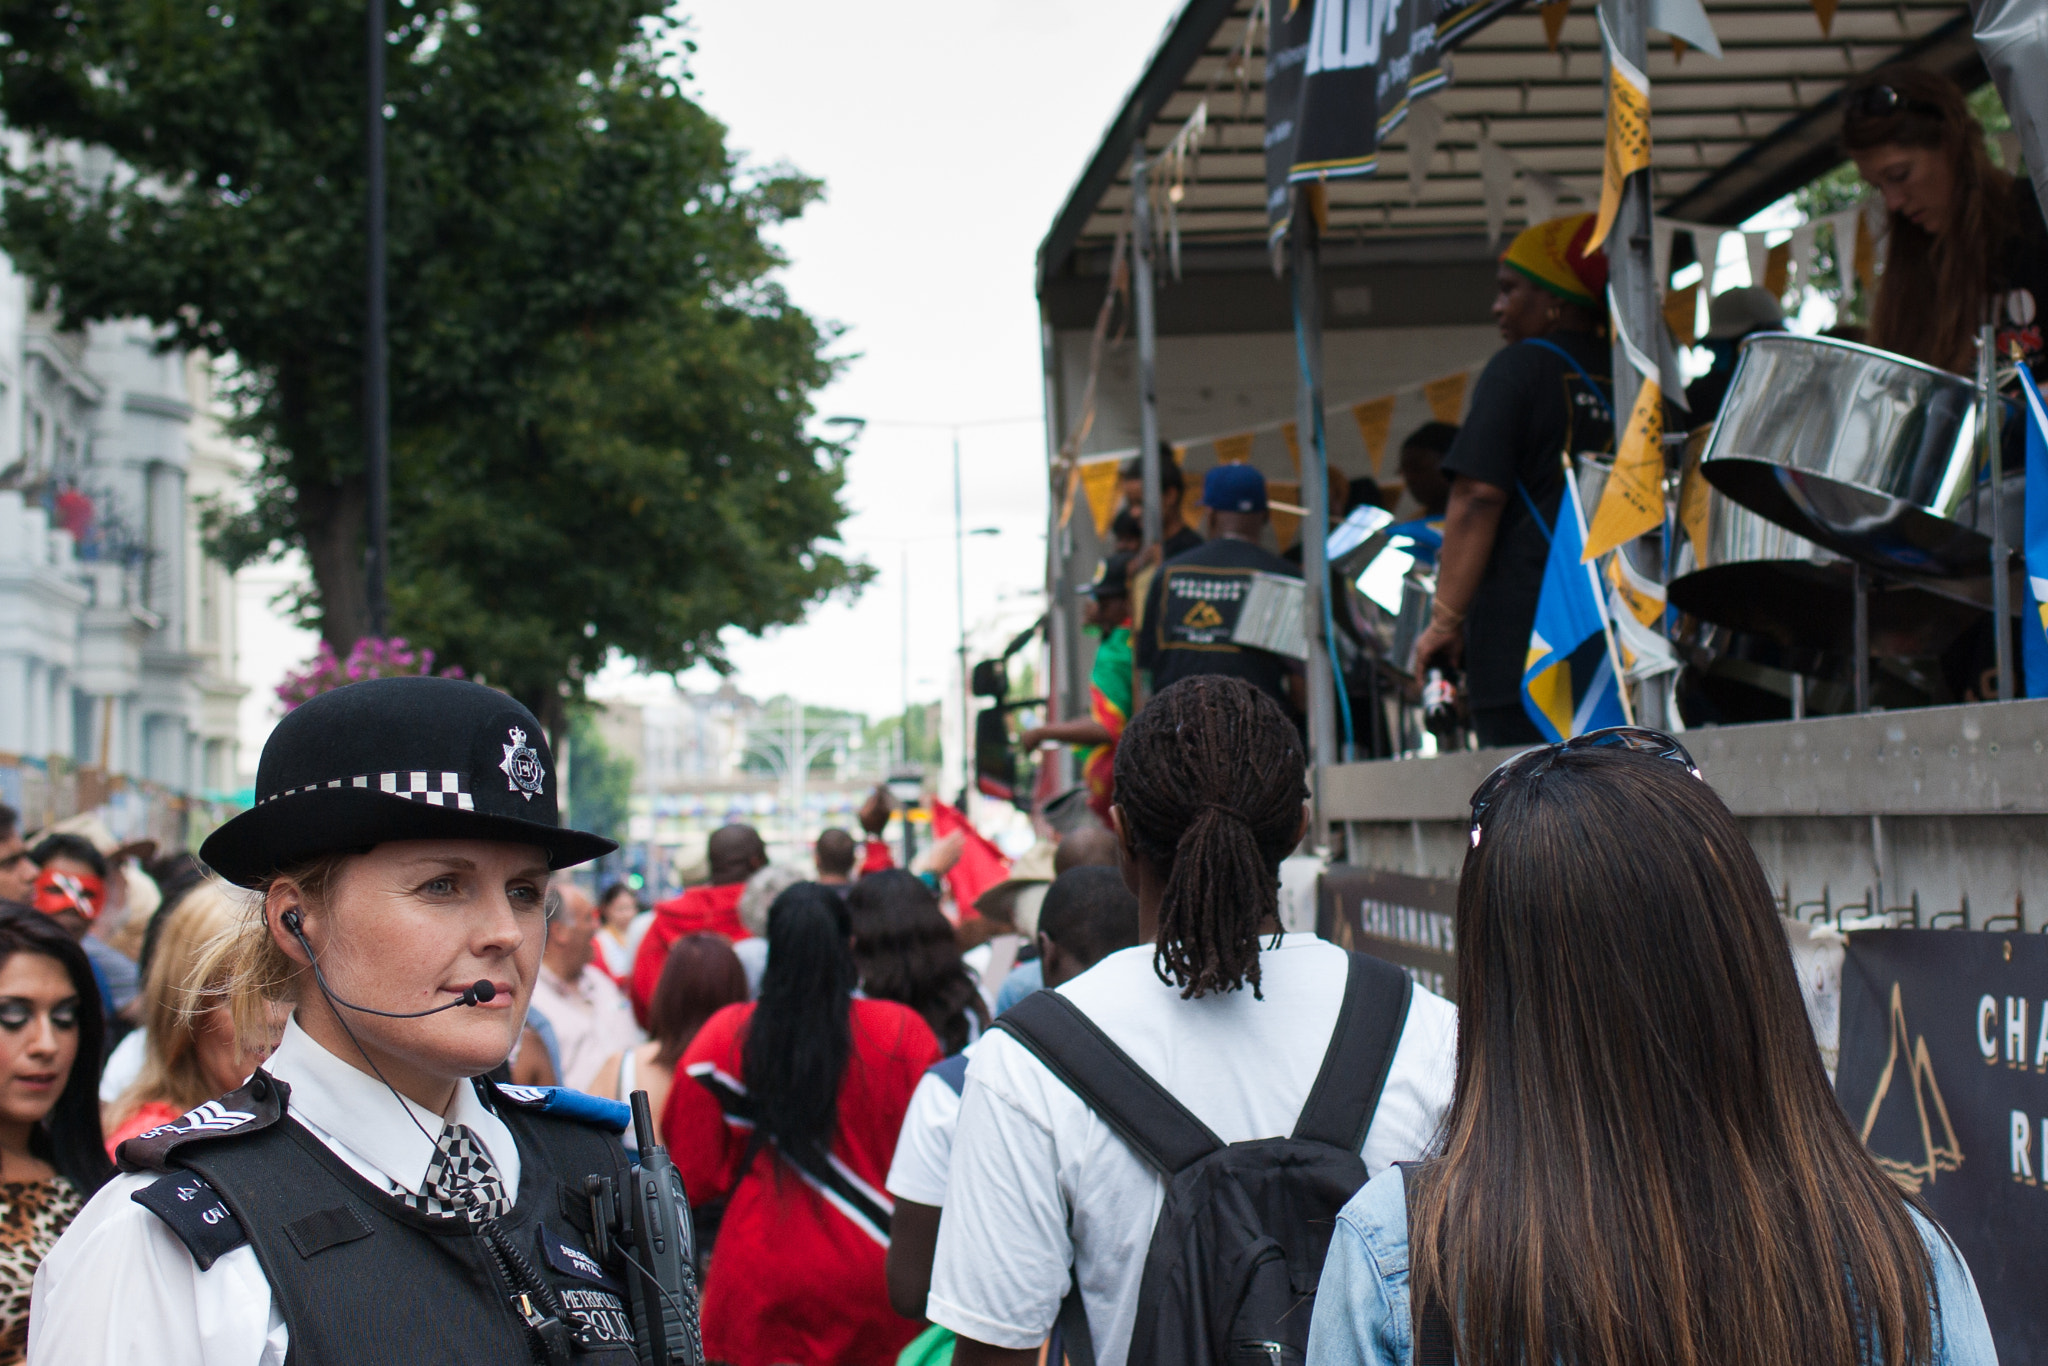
(462, 1182)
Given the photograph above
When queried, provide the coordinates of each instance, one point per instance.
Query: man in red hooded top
(734, 852)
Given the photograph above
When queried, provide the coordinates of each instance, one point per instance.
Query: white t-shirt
(1039, 1183)
(924, 1146)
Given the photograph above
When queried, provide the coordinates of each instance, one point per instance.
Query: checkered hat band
(434, 789)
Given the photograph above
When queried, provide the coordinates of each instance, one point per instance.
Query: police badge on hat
(522, 766)
(398, 759)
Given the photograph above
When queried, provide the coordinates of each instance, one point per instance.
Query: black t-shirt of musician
(1529, 408)
(1192, 608)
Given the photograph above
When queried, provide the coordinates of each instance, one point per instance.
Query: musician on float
(368, 1194)
(1544, 396)
(1965, 243)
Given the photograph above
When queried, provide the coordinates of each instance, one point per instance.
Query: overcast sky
(947, 135)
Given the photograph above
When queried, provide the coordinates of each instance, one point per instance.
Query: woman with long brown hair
(1643, 1160)
(1965, 241)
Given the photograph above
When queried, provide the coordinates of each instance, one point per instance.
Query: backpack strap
(1346, 1095)
(1430, 1325)
(1144, 1114)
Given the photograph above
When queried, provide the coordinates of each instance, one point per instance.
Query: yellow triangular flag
(1180, 453)
(1694, 496)
(1633, 501)
(1286, 525)
(1446, 396)
(1824, 10)
(1628, 139)
(1293, 439)
(1645, 598)
(1235, 450)
(1553, 20)
(1682, 313)
(1375, 419)
(1778, 269)
(1099, 481)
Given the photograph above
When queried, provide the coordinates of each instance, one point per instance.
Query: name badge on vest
(1199, 607)
(596, 1307)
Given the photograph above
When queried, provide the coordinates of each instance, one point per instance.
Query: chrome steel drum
(1860, 451)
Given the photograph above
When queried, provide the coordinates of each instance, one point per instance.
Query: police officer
(369, 1194)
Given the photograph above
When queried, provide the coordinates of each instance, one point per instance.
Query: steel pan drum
(1857, 450)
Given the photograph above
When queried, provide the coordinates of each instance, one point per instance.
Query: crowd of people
(353, 1081)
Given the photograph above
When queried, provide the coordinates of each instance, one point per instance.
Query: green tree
(597, 395)
(600, 781)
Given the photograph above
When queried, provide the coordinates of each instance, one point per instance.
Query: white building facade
(117, 633)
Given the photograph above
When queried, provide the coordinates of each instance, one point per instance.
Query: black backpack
(1230, 1277)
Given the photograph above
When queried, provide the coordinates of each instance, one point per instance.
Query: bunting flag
(1425, 130)
(1824, 10)
(2036, 548)
(1446, 396)
(1497, 171)
(1292, 436)
(1554, 12)
(1628, 134)
(1375, 418)
(1687, 23)
(1569, 684)
(1633, 501)
(1180, 453)
(1099, 481)
(1286, 525)
(1695, 496)
(1235, 450)
(1805, 253)
(1778, 269)
(1682, 313)
(1635, 605)
(1759, 251)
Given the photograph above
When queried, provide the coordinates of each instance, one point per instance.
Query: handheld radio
(654, 1223)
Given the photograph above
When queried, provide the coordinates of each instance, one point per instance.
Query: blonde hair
(187, 977)
(256, 975)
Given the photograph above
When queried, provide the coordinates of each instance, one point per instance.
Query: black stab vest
(357, 1275)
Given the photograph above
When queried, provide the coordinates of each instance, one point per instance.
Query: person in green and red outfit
(1110, 692)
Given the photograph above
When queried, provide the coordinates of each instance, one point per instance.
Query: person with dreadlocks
(798, 1103)
(1225, 1012)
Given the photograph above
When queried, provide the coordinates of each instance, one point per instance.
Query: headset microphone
(480, 992)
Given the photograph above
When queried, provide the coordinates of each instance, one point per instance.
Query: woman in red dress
(793, 1122)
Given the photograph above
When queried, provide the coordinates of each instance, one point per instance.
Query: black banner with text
(1944, 1071)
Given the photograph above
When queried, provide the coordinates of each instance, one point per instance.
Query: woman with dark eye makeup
(51, 1160)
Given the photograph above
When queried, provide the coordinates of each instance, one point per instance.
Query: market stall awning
(1730, 135)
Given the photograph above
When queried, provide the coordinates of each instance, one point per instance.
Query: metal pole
(960, 597)
(1631, 272)
(1859, 632)
(1303, 254)
(376, 361)
(1148, 345)
(2001, 567)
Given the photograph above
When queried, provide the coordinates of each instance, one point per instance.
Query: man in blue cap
(1192, 606)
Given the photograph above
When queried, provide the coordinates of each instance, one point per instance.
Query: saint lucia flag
(1568, 685)
(2034, 655)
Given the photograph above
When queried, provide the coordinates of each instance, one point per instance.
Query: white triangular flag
(1759, 256)
(1805, 252)
(1425, 128)
(1706, 244)
(1540, 193)
(1662, 230)
(1497, 168)
(1684, 19)
(1844, 223)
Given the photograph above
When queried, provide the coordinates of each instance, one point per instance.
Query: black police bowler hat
(398, 759)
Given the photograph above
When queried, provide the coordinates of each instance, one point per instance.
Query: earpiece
(479, 992)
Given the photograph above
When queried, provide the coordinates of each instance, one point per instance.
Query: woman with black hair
(1223, 1010)
(793, 1121)
(52, 1159)
(1644, 1160)
(905, 950)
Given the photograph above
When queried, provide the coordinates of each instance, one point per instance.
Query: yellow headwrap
(1553, 255)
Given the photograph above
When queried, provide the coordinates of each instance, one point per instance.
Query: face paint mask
(59, 891)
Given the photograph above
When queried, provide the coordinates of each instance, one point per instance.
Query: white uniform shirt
(119, 1287)
(1039, 1183)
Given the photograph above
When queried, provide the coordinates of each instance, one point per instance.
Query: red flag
(981, 864)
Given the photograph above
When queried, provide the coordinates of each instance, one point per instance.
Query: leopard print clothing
(33, 1215)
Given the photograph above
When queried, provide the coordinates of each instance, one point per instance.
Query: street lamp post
(789, 751)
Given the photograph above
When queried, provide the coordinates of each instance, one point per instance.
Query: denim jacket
(1362, 1316)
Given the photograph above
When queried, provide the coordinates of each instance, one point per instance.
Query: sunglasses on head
(1529, 763)
(1881, 101)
